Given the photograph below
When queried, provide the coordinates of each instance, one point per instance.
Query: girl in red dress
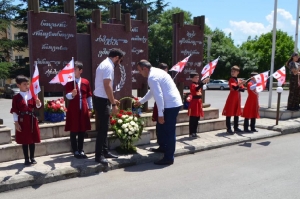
(195, 110)
(233, 102)
(251, 109)
(26, 124)
(79, 110)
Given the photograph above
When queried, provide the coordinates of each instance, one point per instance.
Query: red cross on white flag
(209, 68)
(261, 80)
(65, 75)
(34, 88)
(180, 65)
(280, 75)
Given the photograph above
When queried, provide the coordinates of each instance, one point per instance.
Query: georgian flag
(180, 65)
(34, 88)
(280, 75)
(65, 75)
(209, 68)
(261, 80)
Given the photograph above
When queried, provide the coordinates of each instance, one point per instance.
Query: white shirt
(25, 97)
(163, 89)
(89, 99)
(104, 71)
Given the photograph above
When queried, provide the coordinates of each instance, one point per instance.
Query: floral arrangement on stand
(55, 110)
(127, 126)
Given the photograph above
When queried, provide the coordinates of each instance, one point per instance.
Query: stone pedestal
(284, 114)
(5, 135)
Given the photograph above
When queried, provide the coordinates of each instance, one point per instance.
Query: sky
(243, 18)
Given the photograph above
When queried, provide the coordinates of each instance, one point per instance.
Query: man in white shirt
(169, 102)
(104, 99)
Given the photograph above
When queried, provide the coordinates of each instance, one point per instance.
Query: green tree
(161, 34)
(261, 47)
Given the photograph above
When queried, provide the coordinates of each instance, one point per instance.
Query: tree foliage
(161, 34)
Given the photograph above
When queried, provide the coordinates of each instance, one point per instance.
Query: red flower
(136, 99)
(121, 111)
(110, 117)
(119, 115)
(129, 113)
(113, 122)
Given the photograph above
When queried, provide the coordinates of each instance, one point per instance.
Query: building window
(19, 59)
(16, 37)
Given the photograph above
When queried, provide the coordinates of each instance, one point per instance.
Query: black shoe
(247, 131)
(76, 154)
(230, 132)
(158, 150)
(109, 155)
(32, 160)
(254, 130)
(237, 130)
(101, 160)
(27, 163)
(82, 155)
(164, 162)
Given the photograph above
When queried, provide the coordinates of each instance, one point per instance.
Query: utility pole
(297, 24)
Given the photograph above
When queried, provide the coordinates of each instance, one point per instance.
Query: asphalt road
(266, 168)
(216, 98)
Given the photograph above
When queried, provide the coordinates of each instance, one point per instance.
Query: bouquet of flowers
(127, 127)
(55, 110)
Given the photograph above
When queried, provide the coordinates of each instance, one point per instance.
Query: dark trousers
(77, 145)
(160, 136)
(31, 150)
(252, 124)
(169, 131)
(102, 108)
(193, 124)
(235, 123)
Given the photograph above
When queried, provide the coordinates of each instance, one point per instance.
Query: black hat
(294, 54)
(253, 74)
(193, 74)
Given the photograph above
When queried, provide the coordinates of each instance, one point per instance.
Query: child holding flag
(251, 109)
(233, 102)
(26, 124)
(79, 110)
(195, 110)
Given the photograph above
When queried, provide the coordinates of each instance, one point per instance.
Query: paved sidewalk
(52, 168)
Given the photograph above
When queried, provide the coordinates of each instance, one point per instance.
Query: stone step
(56, 130)
(5, 135)
(183, 128)
(283, 113)
(13, 151)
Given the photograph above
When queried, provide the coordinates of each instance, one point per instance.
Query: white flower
(132, 123)
(124, 126)
(62, 108)
(142, 123)
(126, 130)
(119, 131)
(120, 121)
(136, 128)
(135, 119)
(131, 129)
(126, 116)
(130, 118)
(123, 116)
(130, 132)
(129, 126)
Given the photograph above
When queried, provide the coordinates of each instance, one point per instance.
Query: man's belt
(197, 96)
(27, 113)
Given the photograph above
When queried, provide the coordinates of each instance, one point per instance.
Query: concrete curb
(89, 167)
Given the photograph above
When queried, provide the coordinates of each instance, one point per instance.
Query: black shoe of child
(77, 155)
(230, 132)
(32, 160)
(247, 131)
(82, 155)
(27, 163)
(254, 130)
(237, 130)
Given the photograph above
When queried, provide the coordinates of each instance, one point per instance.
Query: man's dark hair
(144, 63)
(78, 64)
(116, 52)
(21, 78)
(162, 66)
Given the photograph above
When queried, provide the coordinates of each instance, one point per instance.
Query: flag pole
(175, 75)
(74, 73)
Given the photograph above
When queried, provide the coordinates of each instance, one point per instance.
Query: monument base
(284, 114)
